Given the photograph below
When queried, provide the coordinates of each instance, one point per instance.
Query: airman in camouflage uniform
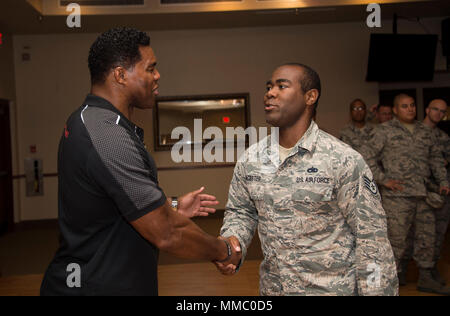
(356, 137)
(408, 158)
(442, 214)
(358, 132)
(436, 111)
(319, 215)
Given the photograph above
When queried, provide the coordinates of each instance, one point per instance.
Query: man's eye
(268, 88)
(281, 86)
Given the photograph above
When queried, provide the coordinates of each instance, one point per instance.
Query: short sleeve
(119, 165)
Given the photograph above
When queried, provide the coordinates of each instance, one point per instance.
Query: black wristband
(229, 252)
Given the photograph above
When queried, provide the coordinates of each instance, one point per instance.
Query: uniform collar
(309, 139)
(366, 127)
(306, 143)
(397, 123)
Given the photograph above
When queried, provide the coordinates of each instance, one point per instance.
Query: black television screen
(401, 57)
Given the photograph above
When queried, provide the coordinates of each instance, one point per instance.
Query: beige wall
(55, 81)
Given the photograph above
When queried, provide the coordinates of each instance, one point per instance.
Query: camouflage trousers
(403, 213)
(442, 219)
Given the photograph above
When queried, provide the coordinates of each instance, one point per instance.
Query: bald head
(436, 111)
(438, 103)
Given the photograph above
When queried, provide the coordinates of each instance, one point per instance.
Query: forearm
(178, 235)
(186, 240)
(374, 258)
(439, 171)
(360, 203)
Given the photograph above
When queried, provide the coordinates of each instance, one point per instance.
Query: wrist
(229, 252)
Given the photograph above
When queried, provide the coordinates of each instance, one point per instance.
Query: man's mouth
(269, 107)
(155, 91)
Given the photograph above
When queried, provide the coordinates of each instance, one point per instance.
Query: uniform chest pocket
(313, 195)
(314, 209)
(311, 206)
(256, 192)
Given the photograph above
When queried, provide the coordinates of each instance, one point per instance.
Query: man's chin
(272, 121)
(150, 104)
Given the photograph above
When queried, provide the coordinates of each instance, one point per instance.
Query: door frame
(9, 224)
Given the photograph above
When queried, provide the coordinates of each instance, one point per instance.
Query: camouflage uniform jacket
(443, 141)
(319, 218)
(405, 156)
(356, 137)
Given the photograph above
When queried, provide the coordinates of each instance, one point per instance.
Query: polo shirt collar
(93, 100)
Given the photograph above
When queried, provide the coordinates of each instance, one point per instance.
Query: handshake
(198, 204)
(229, 265)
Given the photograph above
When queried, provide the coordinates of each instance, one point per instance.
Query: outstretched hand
(229, 267)
(196, 204)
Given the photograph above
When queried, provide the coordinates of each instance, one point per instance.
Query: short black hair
(381, 105)
(310, 80)
(352, 104)
(116, 47)
(400, 96)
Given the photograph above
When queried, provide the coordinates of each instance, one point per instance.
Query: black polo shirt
(106, 179)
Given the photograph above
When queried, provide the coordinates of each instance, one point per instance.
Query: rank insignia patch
(370, 185)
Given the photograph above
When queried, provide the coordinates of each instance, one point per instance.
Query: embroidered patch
(370, 185)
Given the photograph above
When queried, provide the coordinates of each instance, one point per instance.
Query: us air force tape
(370, 185)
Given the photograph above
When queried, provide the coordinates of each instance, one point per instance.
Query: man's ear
(120, 75)
(427, 111)
(394, 110)
(311, 96)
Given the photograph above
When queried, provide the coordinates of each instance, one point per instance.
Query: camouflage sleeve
(444, 143)
(437, 164)
(371, 152)
(345, 138)
(241, 217)
(371, 117)
(360, 202)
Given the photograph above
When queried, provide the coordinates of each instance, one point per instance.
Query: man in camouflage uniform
(436, 111)
(358, 132)
(320, 220)
(406, 149)
(379, 113)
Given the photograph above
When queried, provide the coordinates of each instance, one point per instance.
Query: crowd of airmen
(410, 163)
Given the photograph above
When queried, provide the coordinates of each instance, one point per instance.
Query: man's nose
(271, 93)
(157, 75)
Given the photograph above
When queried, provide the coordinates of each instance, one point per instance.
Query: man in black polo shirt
(113, 216)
